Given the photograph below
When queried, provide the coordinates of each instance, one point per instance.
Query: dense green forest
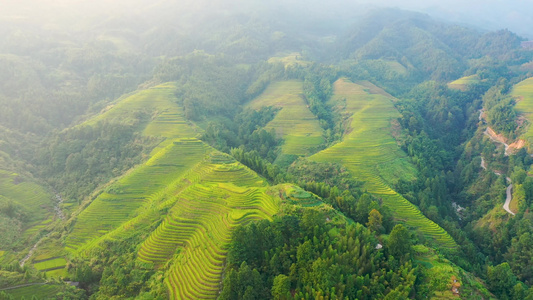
(255, 151)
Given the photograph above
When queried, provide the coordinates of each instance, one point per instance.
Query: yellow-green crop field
(370, 152)
(463, 82)
(295, 123)
(195, 234)
(49, 264)
(122, 200)
(523, 93)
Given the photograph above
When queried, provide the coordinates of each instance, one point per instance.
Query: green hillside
(281, 150)
(156, 108)
(25, 208)
(195, 234)
(120, 201)
(523, 93)
(207, 194)
(370, 152)
(176, 154)
(295, 123)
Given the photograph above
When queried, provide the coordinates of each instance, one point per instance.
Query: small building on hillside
(527, 45)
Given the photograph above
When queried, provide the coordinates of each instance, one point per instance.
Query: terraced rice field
(35, 199)
(159, 105)
(523, 92)
(174, 156)
(463, 82)
(369, 151)
(51, 264)
(295, 123)
(44, 291)
(195, 234)
(122, 200)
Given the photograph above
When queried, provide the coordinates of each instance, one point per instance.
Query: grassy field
(523, 92)
(197, 230)
(295, 123)
(370, 152)
(463, 82)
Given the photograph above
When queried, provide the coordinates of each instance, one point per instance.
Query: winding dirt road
(508, 191)
(486, 132)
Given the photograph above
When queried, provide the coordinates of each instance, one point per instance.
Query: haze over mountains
(486, 15)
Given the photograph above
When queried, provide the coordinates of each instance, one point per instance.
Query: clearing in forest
(463, 82)
(295, 123)
(370, 152)
(290, 60)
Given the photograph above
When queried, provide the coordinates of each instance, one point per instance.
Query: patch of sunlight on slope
(370, 152)
(295, 123)
(523, 92)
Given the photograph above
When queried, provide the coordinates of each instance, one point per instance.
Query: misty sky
(516, 15)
